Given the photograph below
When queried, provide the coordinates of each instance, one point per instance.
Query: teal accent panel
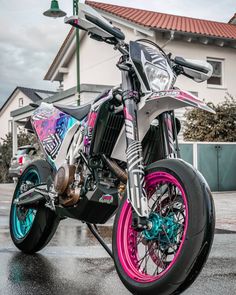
(208, 164)
(186, 152)
(227, 167)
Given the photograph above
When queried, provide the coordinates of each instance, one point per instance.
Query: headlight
(158, 78)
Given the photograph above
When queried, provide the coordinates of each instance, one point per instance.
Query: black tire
(199, 234)
(45, 222)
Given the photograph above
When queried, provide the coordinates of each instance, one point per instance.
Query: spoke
(158, 199)
(161, 262)
(140, 261)
(34, 212)
(159, 255)
(170, 244)
(180, 232)
(28, 218)
(146, 261)
(170, 205)
(140, 239)
(155, 272)
(180, 218)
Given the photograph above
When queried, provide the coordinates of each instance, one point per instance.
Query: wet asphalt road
(74, 263)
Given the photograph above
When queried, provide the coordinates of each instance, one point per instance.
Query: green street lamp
(56, 12)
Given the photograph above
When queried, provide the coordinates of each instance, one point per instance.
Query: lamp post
(56, 12)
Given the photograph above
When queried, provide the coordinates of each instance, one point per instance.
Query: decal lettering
(129, 127)
(106, 199)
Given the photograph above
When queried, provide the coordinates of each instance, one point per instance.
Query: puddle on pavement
(79, 235)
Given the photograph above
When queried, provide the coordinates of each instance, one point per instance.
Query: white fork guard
(151, 106)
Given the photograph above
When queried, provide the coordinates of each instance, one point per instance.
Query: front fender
(151, 106)
(178, 99)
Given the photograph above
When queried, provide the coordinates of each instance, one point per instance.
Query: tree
(6, 152)
(204, 126)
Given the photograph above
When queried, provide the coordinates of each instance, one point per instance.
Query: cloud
(29, 41)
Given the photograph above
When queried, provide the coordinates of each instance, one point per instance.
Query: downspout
(76, 12)
(172, 36)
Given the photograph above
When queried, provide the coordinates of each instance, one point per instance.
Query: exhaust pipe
(33, 196)
(116, 169)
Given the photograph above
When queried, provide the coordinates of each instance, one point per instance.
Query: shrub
(204, 126)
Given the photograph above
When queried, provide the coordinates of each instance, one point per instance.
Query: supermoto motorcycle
(120, 156)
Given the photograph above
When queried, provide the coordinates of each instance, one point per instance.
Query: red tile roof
(163, 21)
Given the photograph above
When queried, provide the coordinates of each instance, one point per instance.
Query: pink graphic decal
(86, 141)
(127, 114)
(169, 123)
(183, 96)
(179, 94)
(89, 129)
(92, 119)
(51, 126)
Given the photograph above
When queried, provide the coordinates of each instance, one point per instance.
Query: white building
(20, 97)
(190, 38)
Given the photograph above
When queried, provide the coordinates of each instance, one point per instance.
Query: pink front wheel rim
(131, 245)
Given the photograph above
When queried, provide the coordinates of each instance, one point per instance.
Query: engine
(89, 194)
(67, 183)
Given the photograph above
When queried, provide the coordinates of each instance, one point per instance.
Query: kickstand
(94, 231)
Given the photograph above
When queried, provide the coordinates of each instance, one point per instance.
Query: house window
(21, 102)
(217, 76)
(10, 126)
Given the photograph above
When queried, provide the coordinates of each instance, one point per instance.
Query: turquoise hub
(22, 219)
(164, 229)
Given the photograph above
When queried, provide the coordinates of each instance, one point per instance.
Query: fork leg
(136, 182)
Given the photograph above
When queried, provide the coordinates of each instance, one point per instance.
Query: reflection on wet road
(74, 263)
(40, 275)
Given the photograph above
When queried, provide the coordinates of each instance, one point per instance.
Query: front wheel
(167, 258)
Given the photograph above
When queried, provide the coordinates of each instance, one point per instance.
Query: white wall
(98, 61)
(70, 79)
(98, 65)
(12, 105)
(201, 51)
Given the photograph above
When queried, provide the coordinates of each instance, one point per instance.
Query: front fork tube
(136, 177)
(169, 134)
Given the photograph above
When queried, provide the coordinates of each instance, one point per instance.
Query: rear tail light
(21, 160)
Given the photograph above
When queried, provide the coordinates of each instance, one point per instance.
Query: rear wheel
(32, 229)
(167, 258)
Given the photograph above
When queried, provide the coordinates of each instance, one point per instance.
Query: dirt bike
(120, 156)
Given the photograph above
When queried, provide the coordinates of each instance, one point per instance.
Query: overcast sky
(29, 41)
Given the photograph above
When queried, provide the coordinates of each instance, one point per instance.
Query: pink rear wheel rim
(146, 260)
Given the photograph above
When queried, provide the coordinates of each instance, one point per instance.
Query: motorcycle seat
(77, 112)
